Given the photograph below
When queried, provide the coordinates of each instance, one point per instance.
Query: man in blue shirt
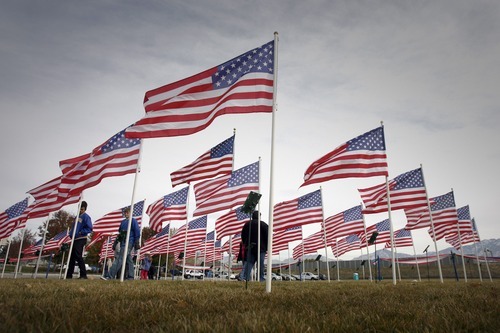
(83, 228)
(135, 234)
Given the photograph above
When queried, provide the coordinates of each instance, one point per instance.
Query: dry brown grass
(205, 306)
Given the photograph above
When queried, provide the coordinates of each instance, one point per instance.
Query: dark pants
(77, 255)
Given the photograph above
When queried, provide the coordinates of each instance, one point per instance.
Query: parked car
(274, 276)
(224, 275)
(309, 276)
(287, 277)
(193, 274)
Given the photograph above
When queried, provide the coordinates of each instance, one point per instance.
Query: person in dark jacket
(249, 237)
(83, 228)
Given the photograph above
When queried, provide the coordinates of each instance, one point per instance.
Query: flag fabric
(217, 161)
(454, 240)
(172, 207)
(443, 211)
(314, 242)
(231, 223)
(227, 191)
(282, 238)
(12, 217)
(197, 229)
(30, 250)
(241, 85)
(159, 240)
(402, 238)
(117, 156)
(344, 245)
(55, 242)
(407, 191)
(306, 209)
(363, 156)
(384, 233)
(110, 223)
(348, 222)
(107, 248)
(235, 246)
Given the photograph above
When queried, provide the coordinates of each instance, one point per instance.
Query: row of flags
(244, 84)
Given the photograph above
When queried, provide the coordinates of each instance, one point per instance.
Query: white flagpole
(271, 173)
(258, 235)
(415, 256)
(324, 231)
(289, 265)
(475, 249)
(19, 254)
(432, 226)
(166, 259)
(484, 253)
(460, 242)
(367, 245)
(6, 257)
(138, 252)
(125, 252)
(185, 240)
(41, 247)
(105, 261)
(338, 263)
(73, 236)
(391, 230)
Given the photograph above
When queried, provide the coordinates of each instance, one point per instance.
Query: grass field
(226, 306)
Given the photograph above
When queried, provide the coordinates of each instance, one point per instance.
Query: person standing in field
(249, 237)
(145, 266)
(83, 227)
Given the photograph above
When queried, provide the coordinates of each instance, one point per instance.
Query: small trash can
(355, 276)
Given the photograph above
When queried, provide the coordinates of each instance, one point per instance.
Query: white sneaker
(104, 278)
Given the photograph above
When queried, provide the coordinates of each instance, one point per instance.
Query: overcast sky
(73, 73)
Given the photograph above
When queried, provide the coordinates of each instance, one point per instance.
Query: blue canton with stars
(199, 223)
(410, 179)
(119, 141)
(245, 175)
(163, 231)
(312, 199)
(223, 148)
(260, 59)
(353, 214)
(240, 215)
(383, 226)
(210, 236)
(138, 207)
(443, 201)
(176, 198)
(373, 140)
(402, 233)
(352, 239)
(463, 213)
(17, 209)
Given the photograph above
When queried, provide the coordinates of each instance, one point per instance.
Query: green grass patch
(221, 306)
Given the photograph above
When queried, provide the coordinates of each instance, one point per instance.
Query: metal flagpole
(258, 235)
(475, 248)
(6, 256)
(415, 256)
(484, 252)
(432, 227)
(41, 247)
(105, 261)
(338, 263)
(75, 224)
(129, 226)
(19, 254)
(185, 240)
(367, 246)
(324, 231)
(271, 173)
(392, 230)
(460, 241)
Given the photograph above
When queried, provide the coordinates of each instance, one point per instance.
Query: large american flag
(348, 222)
(12, 217)
(384, 233)
(443, 211)
(402, 238)
(283, 237)
(226, 192)
(231, 223)
(172, 207)
(314, 242)
(110, 223)
(55, 242)
(196, 232)
(467, 238)
(160, 240)
(117, 156)
(407, 191)
(241, 85)
(344, 245)
(306, 209)
(217, 161)
(47, 199)
(363, 156)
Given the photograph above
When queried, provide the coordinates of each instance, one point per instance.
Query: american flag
(156, 242)
(454, 240)
(117, 156)
(226, 192)
(30, 250)
(384, 232)
(231, 223)
(47, 199)
(216, 254)
(241, 85)
(306, 209)
(314, 242)
(172, 207)
(235, 245)
(55, 242)
(407, 191)
(107, 248)
(345, 223)
(283, 237)
(344, 245)
(217, 161)
(110, 223)
(12, 217)
(443, 211)
(196, 232)
(402, 238)
(363, 156)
